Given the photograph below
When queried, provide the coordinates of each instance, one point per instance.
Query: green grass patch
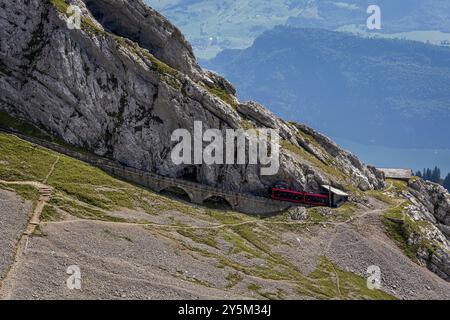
(398, 185)
(38, 232)
(310, 140)
(396, 212)
(222, 94)
(233, 279)
(158, 65)
(203, 236)
(335, 283)
(60, 5)
(401, 228)
(23, 161)
(50, 213)
(382, 196)
(97, 188)
(315, 216)
(227, 217)
(183, 276)
(391, 194)
(343, 213)
(91, 27)
(319, 285)
(81, 211)
(265, 294)
(25, 192)
(20, 161)
(396, 232)
(238, 245)
(254, 287)
(346, 211)
(86, 23)
(248, 125)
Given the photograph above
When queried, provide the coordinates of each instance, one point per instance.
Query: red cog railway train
(313, 199)
(282, 193)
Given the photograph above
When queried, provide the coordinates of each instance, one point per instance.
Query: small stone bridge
(198, 193)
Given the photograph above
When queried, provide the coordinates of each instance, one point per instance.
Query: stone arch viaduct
(198, 193)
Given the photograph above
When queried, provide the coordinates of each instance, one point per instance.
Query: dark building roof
(336, 191)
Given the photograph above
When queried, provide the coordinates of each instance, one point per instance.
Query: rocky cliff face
(429, 212)
(420, 223)
(123, 83)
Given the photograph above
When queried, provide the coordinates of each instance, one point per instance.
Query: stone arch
(177, 192)
(218, 202)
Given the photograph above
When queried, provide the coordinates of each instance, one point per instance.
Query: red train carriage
(288, 195)
(313, 199)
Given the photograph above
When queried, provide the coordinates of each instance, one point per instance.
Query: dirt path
(379, 209)
(52, 168)
(7, 284)
(220, 226)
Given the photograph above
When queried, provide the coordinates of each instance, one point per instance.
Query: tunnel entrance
(189, 174)
(217, 203)
(176, 193)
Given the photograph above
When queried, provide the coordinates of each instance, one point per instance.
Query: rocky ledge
(424, 224)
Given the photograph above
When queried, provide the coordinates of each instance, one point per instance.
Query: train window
(315, 199)
(288, 196)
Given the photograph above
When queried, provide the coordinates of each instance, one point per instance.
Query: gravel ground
(13, 217)
(124, 261)
(357, 245)
(115, 262)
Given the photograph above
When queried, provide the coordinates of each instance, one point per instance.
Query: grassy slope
(89, 193)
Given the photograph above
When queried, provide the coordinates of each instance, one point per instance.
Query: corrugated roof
(396, 173)
(335, 190)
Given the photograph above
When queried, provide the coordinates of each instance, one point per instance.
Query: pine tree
(447, 182)
(429, 175)
(436, 175)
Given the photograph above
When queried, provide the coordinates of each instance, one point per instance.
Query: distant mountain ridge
(213, 25)
(385, 92)
(397, 15)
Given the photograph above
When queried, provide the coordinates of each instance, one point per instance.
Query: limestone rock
(434, 197)
(428, 214)
(122, 84)
(324, 211)
(298, 213)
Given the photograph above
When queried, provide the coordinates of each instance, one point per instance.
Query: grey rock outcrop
(123, 83)
(434, 197)
(298, 213)
(427, 227)
(134, 20)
